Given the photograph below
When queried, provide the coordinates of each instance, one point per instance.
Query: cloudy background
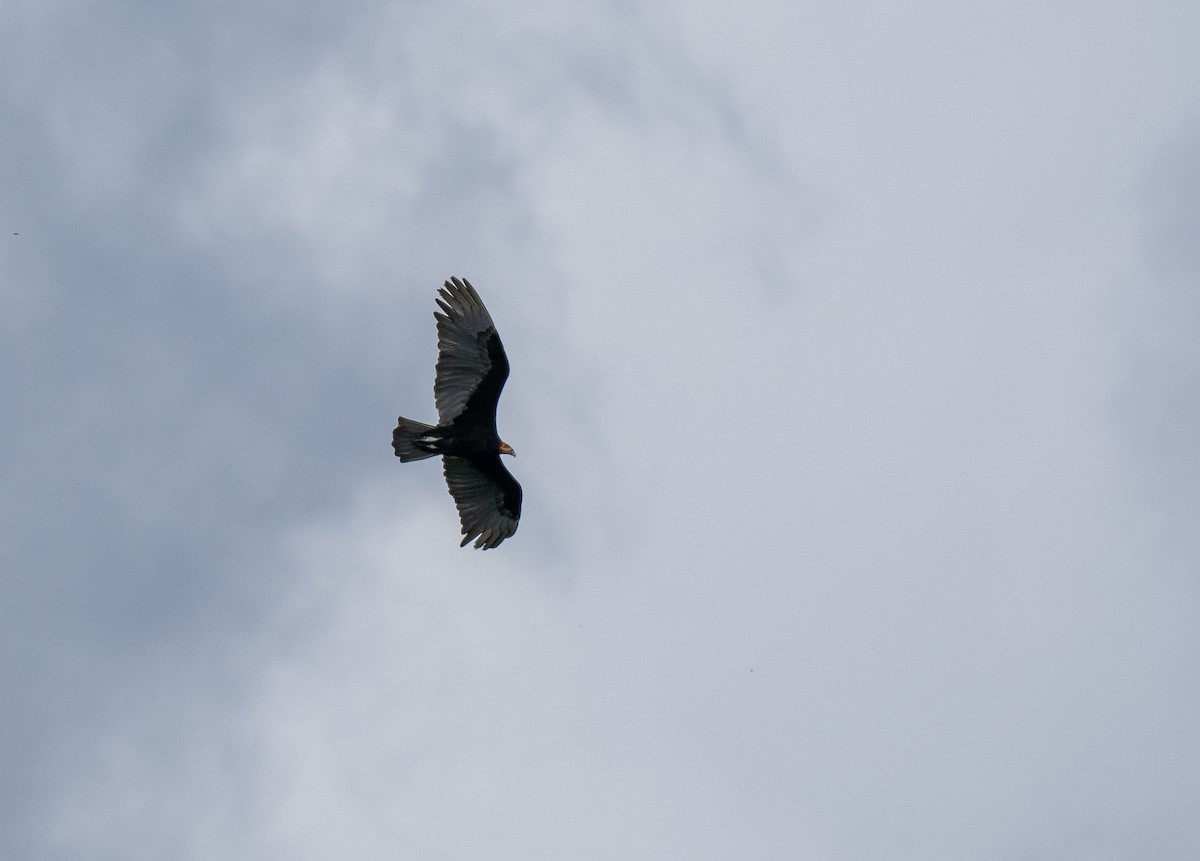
(856, 391)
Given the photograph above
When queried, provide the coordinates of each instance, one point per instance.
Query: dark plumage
(471, 370)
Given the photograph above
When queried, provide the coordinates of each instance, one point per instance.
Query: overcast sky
(856, 392)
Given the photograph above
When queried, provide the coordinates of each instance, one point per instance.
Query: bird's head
(505, 448)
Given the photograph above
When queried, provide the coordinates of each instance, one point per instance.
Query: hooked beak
(505, 448)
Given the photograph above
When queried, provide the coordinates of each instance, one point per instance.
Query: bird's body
(471, 370)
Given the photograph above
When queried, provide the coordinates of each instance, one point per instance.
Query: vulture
(471, 370)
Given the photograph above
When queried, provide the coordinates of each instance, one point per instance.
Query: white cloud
(828, 544)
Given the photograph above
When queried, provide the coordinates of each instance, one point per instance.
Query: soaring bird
(471, 370)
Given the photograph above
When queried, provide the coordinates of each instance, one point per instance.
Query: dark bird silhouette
(471, 370)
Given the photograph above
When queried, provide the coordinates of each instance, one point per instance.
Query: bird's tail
(404, 440)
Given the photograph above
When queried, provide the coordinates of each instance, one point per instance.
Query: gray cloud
(1161, 313)
(839, 540)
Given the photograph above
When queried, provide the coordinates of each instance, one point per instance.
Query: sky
(855, 387)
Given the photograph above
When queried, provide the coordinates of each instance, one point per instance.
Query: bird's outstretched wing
(488, 499)
(471, 365)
